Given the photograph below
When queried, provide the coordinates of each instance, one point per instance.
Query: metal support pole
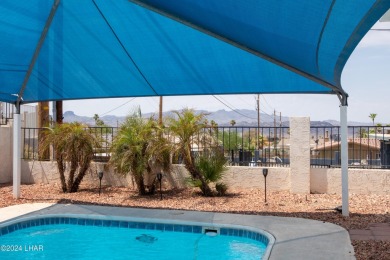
(258, 122)
(344, 156)
(54, 111)
(17, 119)
(16, 153)
(38, 48)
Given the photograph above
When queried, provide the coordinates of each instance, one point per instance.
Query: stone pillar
(300, 154)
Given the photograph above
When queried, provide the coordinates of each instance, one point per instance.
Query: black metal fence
(30, 142)
(368, 147)
(245, 146)
(252, 146)
(106, 136)
(6, 112)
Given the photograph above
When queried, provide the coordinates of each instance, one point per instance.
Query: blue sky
(366, 78)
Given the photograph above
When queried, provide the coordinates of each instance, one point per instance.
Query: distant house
(360, 150)
(380, 136)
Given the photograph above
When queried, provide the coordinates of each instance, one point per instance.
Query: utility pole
(43, 121)
(280, 125)
(43, 114)
(57, 112)
(160, 113)
(275, 132)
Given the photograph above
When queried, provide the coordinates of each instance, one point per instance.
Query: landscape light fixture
(159, 178)
(265, 173)
(100, 174)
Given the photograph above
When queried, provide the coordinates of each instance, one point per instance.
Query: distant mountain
(70, 116)
(242, 117)
(350, 123)
(322, 123)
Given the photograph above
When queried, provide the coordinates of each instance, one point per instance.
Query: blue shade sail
(131, 48)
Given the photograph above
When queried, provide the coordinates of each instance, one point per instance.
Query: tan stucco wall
(278, 178)
(235, 177)
(322, 180)
(5, 154)
(361, 181)
(46, 172)
(241, 177)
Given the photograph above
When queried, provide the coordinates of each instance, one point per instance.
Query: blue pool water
(68, 238)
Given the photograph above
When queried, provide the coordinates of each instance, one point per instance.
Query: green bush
(221, 188)
(211, 164)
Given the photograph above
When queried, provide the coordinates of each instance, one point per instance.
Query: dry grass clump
(365, 209)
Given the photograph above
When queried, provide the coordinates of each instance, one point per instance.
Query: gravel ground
(364, 209)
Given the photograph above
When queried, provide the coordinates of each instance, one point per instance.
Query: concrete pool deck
(295, 238)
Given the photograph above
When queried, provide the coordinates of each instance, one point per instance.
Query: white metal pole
(17, 119)
(344, 160)
(16, 154)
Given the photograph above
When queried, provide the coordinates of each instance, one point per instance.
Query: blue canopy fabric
(132, 48)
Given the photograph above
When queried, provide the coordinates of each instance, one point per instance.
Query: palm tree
(262, 142)
(73, 145)
(362, 133)
(233, 122)
(372, 116)
(232, 140)
(101, 127)
(141, 150)
(187, 127)
(379, 128)
(98, 121)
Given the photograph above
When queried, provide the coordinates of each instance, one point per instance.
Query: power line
(227, 104)
(243, 100)
(234, 110)
(230, 105)
(265, 113)
(267, 102)
(117, 107)
(261, 110)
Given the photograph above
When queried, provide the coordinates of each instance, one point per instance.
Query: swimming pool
(67, 237)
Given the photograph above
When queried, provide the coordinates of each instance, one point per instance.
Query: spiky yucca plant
(212, 165)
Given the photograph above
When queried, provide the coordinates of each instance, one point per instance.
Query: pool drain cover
(146, 239)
